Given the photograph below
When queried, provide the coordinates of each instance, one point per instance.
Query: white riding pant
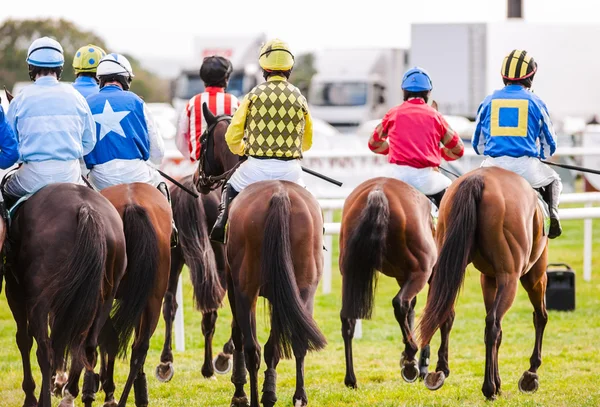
(255, 170)
(532, 169)
(34, 175)
(427, 180)
(117, 172)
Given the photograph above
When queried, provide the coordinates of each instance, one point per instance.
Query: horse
(206, 261)
(386, 226)
(147, 219)
(489, 217)
(66, 256)
(274, 249)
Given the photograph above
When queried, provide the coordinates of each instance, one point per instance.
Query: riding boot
(552, 195)
(5, 215)
(162, 187)
(217, 233)
(437, 198)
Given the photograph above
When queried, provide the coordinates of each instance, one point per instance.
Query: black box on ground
(560, 293)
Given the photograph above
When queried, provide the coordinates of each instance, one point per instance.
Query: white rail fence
(330, 206)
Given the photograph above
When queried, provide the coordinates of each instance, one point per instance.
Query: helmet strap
(276, 49)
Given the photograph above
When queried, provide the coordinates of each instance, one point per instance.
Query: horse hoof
(300, 403)
(434, 380)
(223, 363)
(529, 383)
(164, 372)
(240, 402)
(410, 372)
(59, 383)
(67, 400)
(111, 403)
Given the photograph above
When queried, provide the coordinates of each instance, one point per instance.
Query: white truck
(353, 86)
(464, 61)
(241, 51)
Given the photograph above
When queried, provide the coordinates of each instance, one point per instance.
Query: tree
(303, 72)
(17, 35)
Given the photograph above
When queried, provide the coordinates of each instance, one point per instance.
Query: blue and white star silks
(109, 120)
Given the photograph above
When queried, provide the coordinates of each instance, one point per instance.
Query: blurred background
(350, 59)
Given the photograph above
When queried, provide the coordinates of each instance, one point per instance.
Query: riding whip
(189, 191)
(572, 167)
(324, 177)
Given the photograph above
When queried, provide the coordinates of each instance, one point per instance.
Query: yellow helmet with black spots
(518, 65)
(87, 58)
(275, 55)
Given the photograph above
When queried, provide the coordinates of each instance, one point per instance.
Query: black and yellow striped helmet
(518, 65)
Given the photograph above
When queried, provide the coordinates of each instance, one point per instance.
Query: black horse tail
(291, 323)
(75, 291)
(198, 254)
(142, 264)
(363, 256)
(449, 271)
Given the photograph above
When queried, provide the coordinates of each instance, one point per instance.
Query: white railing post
(587, 247)
(327, 256)
(179, 329)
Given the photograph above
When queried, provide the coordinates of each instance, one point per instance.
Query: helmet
(46, 53)
(114, 64)
(275, 55)
(416, 80)
(87, 58)
(215, 69)
(518, 65)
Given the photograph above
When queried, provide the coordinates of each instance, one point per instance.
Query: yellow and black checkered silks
(518, 65)
(275, 122)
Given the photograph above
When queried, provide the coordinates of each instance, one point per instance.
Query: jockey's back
(86, 85)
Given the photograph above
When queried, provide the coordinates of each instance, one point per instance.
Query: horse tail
(197, 250)
(449, 271)
(75, 291)
(142, 265)
(363, 256)
(291, 323)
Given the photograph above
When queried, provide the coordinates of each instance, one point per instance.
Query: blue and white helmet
(114, 64)
(45, 52)
(416, 80)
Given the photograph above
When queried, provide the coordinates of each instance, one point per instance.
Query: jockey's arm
(157, 145)
(182, 138)
(547, 136)
(453, 147)
(378, 143)
(9, 152)
(235, 132)
(88, 137)
(478, 140)
(307, 138)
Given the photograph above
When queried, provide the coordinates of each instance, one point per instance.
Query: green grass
(569, 375)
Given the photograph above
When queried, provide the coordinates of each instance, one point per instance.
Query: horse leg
(238, 376)
(16, 302)
(505, 295)
(272, 356)
(139, 351)
(535, 283)
(403, 303)
(247, 322)
(489, 288)
(348, 326)
(209, 319)
(38, 326)
(300, 349)
(108, 349)
(435, 380)
(165, 370)
(223, 361)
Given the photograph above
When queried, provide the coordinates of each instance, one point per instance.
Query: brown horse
(491, 217)
(274, 249)
(66, 258)
(147, 218)
(206, 261)
(386, 226)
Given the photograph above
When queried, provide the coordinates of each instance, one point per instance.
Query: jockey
(85, 63)
(514, 130)
(214, 72)
(410, 135)
(129, 143)
(272, 127)
(9, 153)
(52, 122)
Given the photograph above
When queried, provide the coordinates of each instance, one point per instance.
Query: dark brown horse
(386, 226)
(206, 261)
(490, 217)
(274, 249)
(147, 218)
(66, 259)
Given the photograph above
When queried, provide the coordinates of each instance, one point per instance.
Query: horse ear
(208, 116)
(9, 96)
(434, 105)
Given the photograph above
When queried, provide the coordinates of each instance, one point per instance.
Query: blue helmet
(416, 80)
(45, 52)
